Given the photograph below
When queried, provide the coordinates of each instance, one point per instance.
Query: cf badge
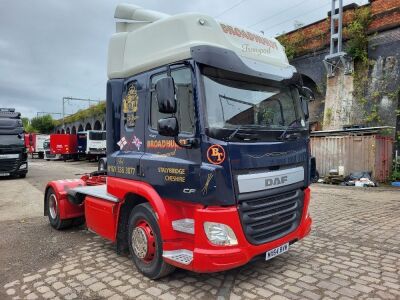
(216, 154)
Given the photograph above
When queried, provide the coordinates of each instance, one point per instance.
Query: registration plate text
(276, 251)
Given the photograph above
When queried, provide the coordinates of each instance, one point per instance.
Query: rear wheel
(53, 211)
(145, 243)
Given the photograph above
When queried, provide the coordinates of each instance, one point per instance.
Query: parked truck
(64, 146)
(208, 159)
(13, 156)
(36, 142)
(48, 155)
(92, 144)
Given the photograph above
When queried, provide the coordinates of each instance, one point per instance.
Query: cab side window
(184, 96)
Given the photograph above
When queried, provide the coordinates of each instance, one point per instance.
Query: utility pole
(336, 55)
(67, 99)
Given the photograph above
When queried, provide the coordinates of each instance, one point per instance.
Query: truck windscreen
(246, 104)
(97, 136)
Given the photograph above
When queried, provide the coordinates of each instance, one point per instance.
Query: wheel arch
(131, 200)
(45, 199)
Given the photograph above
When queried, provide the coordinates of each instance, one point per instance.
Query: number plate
(275, 252)
(4, 174)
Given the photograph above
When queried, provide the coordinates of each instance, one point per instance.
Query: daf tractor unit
(208, 158)
(13, 155)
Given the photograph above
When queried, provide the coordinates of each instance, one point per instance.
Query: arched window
(97, 125)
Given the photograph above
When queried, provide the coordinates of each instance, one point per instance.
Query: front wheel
(145, 243)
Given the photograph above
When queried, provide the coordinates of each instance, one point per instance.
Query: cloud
(51, 49)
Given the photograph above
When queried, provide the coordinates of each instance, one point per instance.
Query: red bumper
(211, 258)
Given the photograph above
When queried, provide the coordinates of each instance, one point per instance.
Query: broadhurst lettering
(162, 144)
(275, 181)
(249, 36)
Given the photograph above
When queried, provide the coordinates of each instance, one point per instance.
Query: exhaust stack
(135, 17)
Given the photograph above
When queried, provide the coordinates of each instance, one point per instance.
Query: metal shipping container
(371, 153)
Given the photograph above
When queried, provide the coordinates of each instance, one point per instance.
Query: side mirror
(307, 93)
(304, 107)
(168, 126)
(165, 93)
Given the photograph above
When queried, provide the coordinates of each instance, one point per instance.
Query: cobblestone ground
(353, 252)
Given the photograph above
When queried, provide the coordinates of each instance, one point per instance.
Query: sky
(50, 49)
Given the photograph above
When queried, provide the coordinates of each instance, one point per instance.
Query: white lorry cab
(92, 143)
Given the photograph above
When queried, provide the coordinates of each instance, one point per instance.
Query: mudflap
(67, 210)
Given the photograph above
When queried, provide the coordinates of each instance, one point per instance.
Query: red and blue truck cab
(208, 161)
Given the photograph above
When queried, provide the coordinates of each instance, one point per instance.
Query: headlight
(220, 234)
(23, 166)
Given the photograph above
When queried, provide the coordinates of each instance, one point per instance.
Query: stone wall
(340, 99)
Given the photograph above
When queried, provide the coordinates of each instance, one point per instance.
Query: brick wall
(385, 15)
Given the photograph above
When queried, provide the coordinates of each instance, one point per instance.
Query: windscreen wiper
(290, 126)
(244, 136)
(233, 133)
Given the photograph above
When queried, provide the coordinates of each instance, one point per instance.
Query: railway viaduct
(93, 118)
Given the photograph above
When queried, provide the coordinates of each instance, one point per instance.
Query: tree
(27, 125)
(43, 124)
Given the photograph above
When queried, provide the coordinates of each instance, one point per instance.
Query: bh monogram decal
(216, 154)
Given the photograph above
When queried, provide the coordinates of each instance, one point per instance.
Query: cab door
(125, 162)
(173, 170)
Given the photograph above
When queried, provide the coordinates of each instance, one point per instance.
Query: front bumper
(13, 167)
(211, 258)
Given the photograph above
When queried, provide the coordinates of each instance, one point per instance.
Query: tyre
(22, 175)
(102, 165)
(316, 177)
(53, 212)
(145, 243)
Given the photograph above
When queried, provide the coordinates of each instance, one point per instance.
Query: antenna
(336, 55)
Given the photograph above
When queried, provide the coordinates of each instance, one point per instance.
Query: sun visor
(228, 60)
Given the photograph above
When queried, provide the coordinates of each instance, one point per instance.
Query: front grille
(9, 165)
(269, 218)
